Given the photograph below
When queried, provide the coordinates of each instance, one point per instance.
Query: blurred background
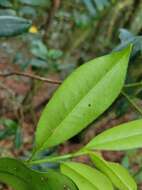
(64, 35)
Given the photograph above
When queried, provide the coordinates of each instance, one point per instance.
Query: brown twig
(31, 76)
(55, 4)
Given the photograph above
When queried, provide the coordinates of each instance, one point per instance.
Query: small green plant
(82, 98)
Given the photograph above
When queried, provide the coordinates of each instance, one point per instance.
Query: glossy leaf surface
(122, 137)
(83, 96)
(85, 177)
(20, 177)
(116, 173)
(12, 26)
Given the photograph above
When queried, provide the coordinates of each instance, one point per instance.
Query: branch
(131, 85)
(131, 102)
(31, 76)
(55, 4)
(57, 159)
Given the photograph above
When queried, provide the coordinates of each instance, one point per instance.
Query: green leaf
(16, 174)
(122, 137)
(39, 49)
(12, 26)
(85, 177)
(96, 6)
(116, 173)
(10, 128)
(83, 96)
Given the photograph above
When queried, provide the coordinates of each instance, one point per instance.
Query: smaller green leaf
(116, 173)
(12, 25)
(123, 137)
(85, 177)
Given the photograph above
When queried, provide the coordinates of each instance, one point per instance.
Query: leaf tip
(128, 49)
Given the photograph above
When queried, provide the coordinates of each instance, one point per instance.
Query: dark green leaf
(18, 138)
(9, 129)
(12, 26)
(39, 49)
(20, 177)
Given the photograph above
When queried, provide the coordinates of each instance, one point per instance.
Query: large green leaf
(12, 25)
(116, 173)
(122, 137)
(84, 95)
(85, 177)
(20, 177)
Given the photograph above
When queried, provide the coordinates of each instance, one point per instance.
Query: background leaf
(126, 37)
(84, 95)
(94, 6)
(85, 177)
(42, 3)
(5, 3)
(10, 128)
(121, 137)
(12, 25)
(116, 173)
(20, 177)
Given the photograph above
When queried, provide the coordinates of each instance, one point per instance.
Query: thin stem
(131, 102)
(34, 152)
(57, 158)
(138, 172)
(131, 85)
(31, 76)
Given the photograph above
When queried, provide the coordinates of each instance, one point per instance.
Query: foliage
(11, 26)
(84, 96)
(20, 177)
